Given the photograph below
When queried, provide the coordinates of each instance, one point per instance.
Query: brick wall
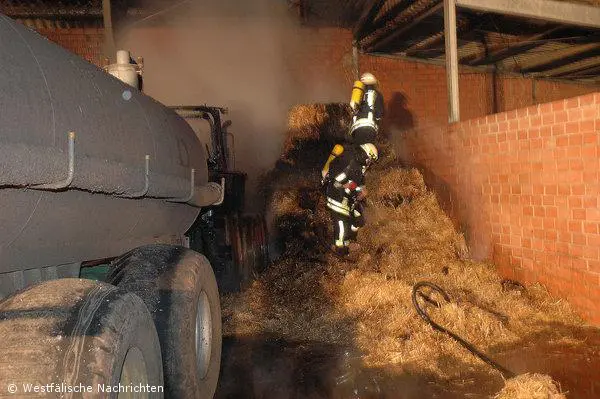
(524, 186)
(419, 89)
(85, 42)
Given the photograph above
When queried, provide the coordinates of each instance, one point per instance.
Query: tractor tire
(179, 288)
(82, 334)
(247, 236)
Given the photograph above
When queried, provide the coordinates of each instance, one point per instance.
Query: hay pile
(310, 296)
(530, 386)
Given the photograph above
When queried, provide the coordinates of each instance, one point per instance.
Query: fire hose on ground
(416, 292)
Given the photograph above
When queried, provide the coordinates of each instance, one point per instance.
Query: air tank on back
(89, 166)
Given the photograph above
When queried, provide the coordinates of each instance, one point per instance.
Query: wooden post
(109, 38)
(451, 60)
(355, 61)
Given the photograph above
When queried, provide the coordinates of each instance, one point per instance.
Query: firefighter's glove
(361, 194)
(350, 189)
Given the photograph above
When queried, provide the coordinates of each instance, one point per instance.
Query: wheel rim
(134, 373)
(203, 335)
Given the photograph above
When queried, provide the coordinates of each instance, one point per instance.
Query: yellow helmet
(368, 79)
(371, 151)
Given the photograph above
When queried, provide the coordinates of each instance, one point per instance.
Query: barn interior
(487, 185)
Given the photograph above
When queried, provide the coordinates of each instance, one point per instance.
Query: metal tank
(89, 166)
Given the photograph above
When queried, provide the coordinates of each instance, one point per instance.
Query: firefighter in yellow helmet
(344, 182)
(367, 105)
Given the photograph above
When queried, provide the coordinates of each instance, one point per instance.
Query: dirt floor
(312, 326)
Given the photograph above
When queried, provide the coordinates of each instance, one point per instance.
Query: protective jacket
(367, 115)
(345, 180)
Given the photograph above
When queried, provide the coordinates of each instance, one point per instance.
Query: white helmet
(371, 152)
(368, 79)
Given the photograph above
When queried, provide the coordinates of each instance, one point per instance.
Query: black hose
(505, 372)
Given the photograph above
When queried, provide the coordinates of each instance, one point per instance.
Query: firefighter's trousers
(347, 217)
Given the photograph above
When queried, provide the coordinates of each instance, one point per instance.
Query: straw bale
(530, 386)
(325, 122)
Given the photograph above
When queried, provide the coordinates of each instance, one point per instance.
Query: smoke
(242, 55)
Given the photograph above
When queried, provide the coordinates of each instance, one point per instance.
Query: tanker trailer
(90, 168)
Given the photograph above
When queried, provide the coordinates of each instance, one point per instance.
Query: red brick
(547, 119)
(575, 226)
(547, 200)
(593, 214)
(551, 211)
(558, 106)
(579, 239)
(587, 100)
(576, 164)
(593, 240)
(572, 103)
(578, 189)
(570, 128)
(590, 138)
(593, 266)
(551, 235)
(575, 147)
(579, 214)
(549, 223)
(561, 117)
(590, 253)
(590, 227)
(575, 114)
(579, 264)
(589, 113)
(562, 141)
(587, 126)
(575, 202)
(544, 108)
(562, 164)
(535, 120)
(588, 153)
(547, 131)
(564, 189)
(522, 112)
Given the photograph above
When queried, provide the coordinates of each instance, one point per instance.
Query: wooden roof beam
(577, 72)
(401, 13)
(589, 52)
(370, 11)
(527, 44)
(396, 34)
(434, 40)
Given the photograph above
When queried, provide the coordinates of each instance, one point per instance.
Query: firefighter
(344, 187)
(367, 105)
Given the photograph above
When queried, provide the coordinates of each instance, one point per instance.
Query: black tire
(177, 284)
(75, 331)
